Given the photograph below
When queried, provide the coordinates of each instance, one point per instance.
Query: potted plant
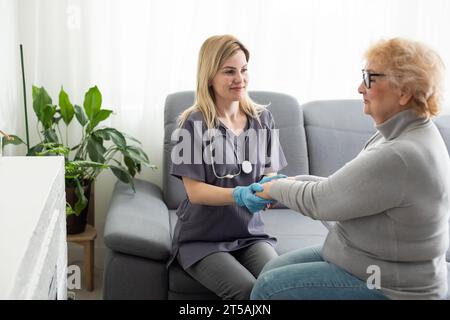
(99, 148)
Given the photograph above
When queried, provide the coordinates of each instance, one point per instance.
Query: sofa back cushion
(443, 124)
(288, 119)
(336, 131)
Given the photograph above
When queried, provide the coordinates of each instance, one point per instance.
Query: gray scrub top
(202, 230)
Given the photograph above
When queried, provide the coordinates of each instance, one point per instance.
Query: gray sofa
(318, 138)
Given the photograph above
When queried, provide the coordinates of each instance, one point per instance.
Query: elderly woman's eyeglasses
(367, 77)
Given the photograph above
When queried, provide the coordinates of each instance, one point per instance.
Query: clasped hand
(245, 196)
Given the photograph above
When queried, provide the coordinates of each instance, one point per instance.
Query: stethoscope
(245, 166)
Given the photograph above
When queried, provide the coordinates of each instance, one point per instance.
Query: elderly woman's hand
(266, 184)
(265, 193)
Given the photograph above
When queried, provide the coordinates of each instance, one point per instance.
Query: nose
(362, 88)
(239, 77)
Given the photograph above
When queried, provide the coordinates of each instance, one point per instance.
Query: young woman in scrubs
(219, 240)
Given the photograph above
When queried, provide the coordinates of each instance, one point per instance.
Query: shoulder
(402, 150)
(411, 152)
(383, 156)
(265, 117)
(195, 118)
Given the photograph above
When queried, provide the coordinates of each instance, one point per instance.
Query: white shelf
(33, 249)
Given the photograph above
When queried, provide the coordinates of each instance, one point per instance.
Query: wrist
(237, 196)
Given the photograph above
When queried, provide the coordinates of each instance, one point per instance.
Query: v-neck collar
(231, 132)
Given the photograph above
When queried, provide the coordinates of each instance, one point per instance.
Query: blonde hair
(412, 66)
(213, 54)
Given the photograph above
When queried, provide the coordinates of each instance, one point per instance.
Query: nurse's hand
(245, 196)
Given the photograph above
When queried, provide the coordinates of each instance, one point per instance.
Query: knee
(272, 264)
(243, 292)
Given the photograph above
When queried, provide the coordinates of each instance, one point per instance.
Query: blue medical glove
(267, 179)
(245, 196)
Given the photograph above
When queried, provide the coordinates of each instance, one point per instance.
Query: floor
(75, 257)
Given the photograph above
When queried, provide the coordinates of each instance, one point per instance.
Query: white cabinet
(33, 247)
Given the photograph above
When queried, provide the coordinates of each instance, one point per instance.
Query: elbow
(194, 201)
(193, 198)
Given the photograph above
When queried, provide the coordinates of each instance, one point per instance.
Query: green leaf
(66, 108)
(92, 102)
(137, 154)
(82, 201)
(110, 133)
(73, 172)
(15, 140)
(130, 165)
(69, 210)
(99, 117)
(88, 164)
(95, 149)
(75, 147)
(130, 137)
(81, 115)
(54, 148)
(50, 136)
(35, 150)
(47, 113)
(40, 100)
(78, 169)
(122, 174)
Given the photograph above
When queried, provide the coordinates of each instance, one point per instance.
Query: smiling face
(382, 100)
(230, 82)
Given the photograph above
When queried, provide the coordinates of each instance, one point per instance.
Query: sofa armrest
(138, 223)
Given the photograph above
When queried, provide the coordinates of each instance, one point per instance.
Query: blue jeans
(303, 274)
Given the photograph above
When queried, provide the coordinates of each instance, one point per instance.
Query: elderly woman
(391, 202)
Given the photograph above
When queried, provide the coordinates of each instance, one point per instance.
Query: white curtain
(139, 51)
(11, 120)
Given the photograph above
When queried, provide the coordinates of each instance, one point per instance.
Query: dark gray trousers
(231, 275)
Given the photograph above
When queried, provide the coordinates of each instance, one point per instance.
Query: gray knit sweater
(391, 204)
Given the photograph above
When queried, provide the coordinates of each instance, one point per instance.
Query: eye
(229, 71)
(244, 70)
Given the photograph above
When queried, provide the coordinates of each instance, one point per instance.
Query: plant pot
(77, 224)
